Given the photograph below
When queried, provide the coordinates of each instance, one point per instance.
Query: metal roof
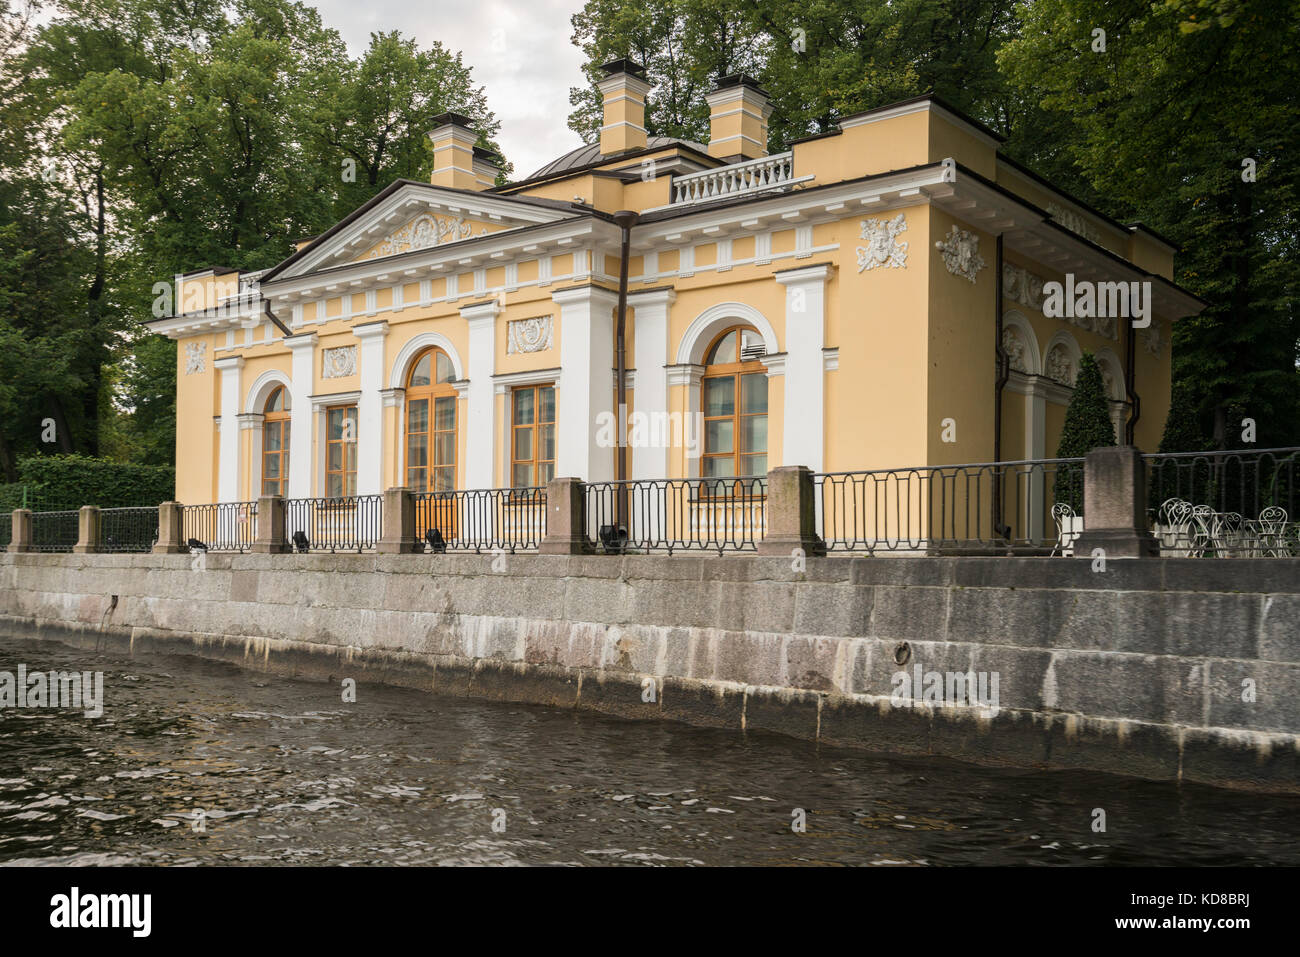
(586, 155)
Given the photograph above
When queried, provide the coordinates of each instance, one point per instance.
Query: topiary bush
(1087, 426)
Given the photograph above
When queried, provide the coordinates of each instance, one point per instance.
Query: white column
(803, 430)
(302, 381)
(650, 359)
(586, 355)
(1036, 448)
(480, 366)
(228, 461)
(370, 408)
(251, 422)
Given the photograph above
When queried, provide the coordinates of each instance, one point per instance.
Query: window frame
(347, 446)
(280, 421)
(535, 427)
(735, 371)
(431, 393)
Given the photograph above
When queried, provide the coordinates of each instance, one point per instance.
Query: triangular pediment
(413, 216)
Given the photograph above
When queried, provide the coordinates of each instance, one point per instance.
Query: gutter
(625, 219)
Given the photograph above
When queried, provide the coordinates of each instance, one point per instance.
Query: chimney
(454, 160)
(623, 90)
(738, 113)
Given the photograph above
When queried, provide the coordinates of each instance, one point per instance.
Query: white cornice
(504, 382)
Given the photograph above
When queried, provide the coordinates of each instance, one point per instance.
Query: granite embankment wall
(1143, 669)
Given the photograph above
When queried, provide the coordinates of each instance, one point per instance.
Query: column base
(18, 549)
(84, 549)
(784, 547)
(1117, 543)
(565, 546)
(169, 550)
(395, 548)
(266, 548)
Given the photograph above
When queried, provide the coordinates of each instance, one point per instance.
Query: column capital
(589, 293)
(483, 311)
(302, 340)
(229, 363)
(250, 420)
(801, 275)
(664, 296)
(371, 330)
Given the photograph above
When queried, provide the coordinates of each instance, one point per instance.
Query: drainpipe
(625, 219)
(1004, 373)
(1130, 353)
(266, 308)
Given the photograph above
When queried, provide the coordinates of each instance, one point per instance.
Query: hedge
(55, 482)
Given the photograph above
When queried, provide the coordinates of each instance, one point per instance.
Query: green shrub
(57, 482)
(1087, 426)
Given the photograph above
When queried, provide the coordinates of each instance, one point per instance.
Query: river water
(198, 762)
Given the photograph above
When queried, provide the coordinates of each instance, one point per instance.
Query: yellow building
(837, 306)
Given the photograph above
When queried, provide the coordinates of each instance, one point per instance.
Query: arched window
(275, 442)
(733, 394)
(431, 423)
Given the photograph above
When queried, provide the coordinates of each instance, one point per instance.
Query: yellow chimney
(623, 91)
(738, 114)
(453, 153)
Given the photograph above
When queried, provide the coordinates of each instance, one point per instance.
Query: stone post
(270, 538)
(171, 539)
(87, 530)
(1115, 505)
(791, 513)
(398, 522)
(21, 538)
(566, 525)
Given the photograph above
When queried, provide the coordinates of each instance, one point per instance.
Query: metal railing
(511, 519)
(54, 531)
(225, 527)
(977, 508)
(644, 515)
(6, 529)
(352, 523)
(127, 529)
(1227, 504)
(750, 176)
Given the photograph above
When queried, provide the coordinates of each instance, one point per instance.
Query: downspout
(266, 308)
(1130, 353)
(1004, 373)
(625, 219)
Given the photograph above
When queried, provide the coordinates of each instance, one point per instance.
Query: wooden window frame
(351, 446)
(535, 427)
(734, 371)
(431, 393)
(279, 420)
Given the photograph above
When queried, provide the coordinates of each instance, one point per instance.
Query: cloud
(519, 52)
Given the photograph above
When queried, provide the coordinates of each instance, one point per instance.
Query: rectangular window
(275, 457)
(532, 443)
(340, 451)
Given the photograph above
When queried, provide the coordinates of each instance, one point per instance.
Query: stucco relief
(195, 360)
(338, 362)
(1074, 222)
(961, 253)
(1014, 346)
(884, 248)
(424, 231)
(1022, 286)
(529, 335)
(1059, 367)
(1152, 338)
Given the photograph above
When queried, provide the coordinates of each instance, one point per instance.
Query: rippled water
(284, 772)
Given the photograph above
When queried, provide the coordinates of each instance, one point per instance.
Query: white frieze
(195, 360)
(422, 232)
(338, 362)
(529, 335)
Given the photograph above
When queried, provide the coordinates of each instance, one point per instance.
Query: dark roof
(587, 155)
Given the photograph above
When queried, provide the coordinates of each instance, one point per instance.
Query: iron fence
(224, 527)
(54, 531)
(6, 528)
(352, 523)
(1032, 506)
(507, 518)
(1226, 504)
(127, 529)
(644, 515)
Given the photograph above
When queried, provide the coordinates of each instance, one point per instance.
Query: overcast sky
(519, 51)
